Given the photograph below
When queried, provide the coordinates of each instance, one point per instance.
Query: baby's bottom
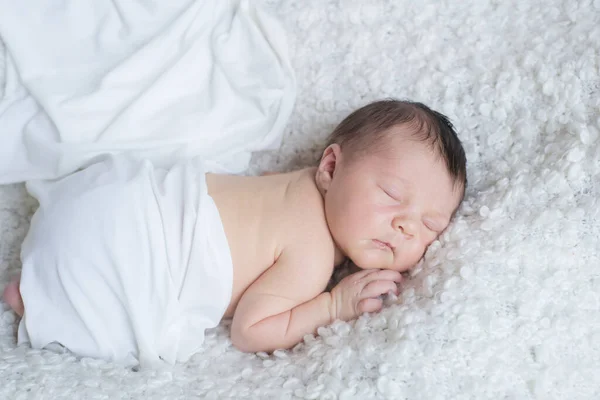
(125, 262)
(12, 297)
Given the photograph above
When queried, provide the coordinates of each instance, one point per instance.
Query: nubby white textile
(166, 80)
(505, 306)
(125, 262)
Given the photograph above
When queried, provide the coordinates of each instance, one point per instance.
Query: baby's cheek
(410, 258)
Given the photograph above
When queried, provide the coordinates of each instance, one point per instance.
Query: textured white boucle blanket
(506, 305)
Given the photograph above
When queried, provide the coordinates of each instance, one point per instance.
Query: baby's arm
(285, 303)
(288, 302)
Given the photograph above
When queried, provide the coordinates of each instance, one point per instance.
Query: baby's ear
(327, 165)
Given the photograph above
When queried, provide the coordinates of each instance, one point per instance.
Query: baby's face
(384, 209)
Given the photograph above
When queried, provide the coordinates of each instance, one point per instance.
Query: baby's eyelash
(392, 196)
(432, 229)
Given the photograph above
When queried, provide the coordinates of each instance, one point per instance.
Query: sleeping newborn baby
(132, 263)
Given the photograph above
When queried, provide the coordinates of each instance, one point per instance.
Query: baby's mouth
(383, 245)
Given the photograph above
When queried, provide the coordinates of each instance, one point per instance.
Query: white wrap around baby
(125, 261)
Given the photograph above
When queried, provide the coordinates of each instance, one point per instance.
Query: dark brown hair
(364, 128)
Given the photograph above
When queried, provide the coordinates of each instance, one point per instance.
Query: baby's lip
(384, 243)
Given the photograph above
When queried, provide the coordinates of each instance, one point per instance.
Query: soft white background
(507, 304)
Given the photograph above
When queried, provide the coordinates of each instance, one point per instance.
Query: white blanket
(168, 80)
(506, 305)
(147, 242)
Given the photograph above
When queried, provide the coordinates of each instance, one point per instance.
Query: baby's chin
(378, 259)
(373, 259)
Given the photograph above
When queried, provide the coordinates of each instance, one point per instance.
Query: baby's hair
(363, 129)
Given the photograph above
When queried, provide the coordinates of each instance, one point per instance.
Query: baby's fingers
(377, 288)
(369, 305)
(385, 274)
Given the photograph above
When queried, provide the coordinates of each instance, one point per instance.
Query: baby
(388, 183)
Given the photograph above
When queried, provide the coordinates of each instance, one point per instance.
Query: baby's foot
(12, 297)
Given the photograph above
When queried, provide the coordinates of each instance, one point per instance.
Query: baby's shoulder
(305, 227)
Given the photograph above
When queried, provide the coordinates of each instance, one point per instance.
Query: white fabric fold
(165, 80)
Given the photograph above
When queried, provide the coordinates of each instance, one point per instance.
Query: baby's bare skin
(264, 215)
(287, 232)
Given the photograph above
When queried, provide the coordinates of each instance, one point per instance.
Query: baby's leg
(12, 296)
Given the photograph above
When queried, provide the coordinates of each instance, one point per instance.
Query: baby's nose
(405, 226)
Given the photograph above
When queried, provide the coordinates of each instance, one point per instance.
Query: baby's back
(264, 215)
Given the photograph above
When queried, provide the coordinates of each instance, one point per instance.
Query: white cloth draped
(164, 80)
(126, 262)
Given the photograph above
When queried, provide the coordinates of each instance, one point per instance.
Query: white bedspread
(168, 79)
(506, 305)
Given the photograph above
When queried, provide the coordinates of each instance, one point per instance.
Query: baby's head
(392, 176)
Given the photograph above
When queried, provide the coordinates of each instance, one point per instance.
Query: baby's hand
(360, 292)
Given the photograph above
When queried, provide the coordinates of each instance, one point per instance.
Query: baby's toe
(12, 297)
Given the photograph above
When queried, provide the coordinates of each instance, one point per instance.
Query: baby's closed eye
(392, 194)
(432, 226)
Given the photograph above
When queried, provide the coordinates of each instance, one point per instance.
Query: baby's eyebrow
(401, 181)
(438, 216)
(393, 177)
